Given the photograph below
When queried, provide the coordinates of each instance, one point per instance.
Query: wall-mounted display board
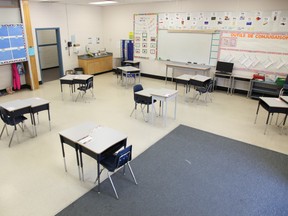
(276, 21)
(260, 52)
(12, 44)
(184, 47)
(145, 35)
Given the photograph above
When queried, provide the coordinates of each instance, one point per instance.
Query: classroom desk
(133, 63)
(225, 76)
(94, 140)
(38, 105)
(272, 105)
(128, 70)
(16, 108)
(240, 78)
(188, 80)
(163, 95)
(202, 68)
(30, 105)
(71, 80)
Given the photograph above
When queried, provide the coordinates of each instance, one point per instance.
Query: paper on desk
(85, 139)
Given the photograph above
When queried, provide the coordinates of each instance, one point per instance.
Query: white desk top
(186, 65)
(36, 101)
(132, 62)
(15, 105)
(128, 68)
(284, 98)
(200, 78)
(80, 77)
(274, 102)
(93, 137)
(185, 77)
(162, 92)
(197, 77)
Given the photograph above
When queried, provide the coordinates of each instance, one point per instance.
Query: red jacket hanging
(16, 77)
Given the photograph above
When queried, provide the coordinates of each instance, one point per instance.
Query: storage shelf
(262, 88)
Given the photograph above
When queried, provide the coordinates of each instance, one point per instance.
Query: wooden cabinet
(94, 65)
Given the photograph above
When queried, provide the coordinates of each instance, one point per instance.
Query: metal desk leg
(166, 74)
(63, 153)
(267, 121)
(257, 113)
(49, 118)
(81, 164)
(98, 172)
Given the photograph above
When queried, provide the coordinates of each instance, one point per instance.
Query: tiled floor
(32, 177)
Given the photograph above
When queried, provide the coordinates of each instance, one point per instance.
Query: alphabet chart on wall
(145, 35)
(276, 21)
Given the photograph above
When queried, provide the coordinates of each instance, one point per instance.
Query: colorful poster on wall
(255, 51)
(12, 44)
(145, 36)
(252, 21)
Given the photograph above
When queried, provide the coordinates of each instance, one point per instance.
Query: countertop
(87, 57)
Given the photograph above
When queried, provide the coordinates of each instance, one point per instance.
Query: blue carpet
(192, 172)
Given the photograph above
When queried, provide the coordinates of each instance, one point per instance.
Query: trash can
(79, 70)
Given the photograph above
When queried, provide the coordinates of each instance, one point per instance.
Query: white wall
(73, 20)
(118, 20)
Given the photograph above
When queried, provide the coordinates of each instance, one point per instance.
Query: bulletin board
(145, 35)
(12, 44)
(260, 52)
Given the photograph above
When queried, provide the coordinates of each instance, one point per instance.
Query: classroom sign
(257, 52)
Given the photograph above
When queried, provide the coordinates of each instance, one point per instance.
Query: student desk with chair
(193, 67)
(188, 80)
(163, 95)
(132, 63)
(94, 140)
(71, 80)
(17, 108)
(129, 72)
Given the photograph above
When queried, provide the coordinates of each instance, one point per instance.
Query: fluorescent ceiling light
(103, 2)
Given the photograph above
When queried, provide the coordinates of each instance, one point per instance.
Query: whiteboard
(184, 47)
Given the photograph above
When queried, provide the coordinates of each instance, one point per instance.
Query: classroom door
(49, 53)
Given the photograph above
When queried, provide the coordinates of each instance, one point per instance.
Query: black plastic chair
(12, 121)
(142, 100)
(83, 88)
(284, 90)
(205, 91)
(118, 160)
